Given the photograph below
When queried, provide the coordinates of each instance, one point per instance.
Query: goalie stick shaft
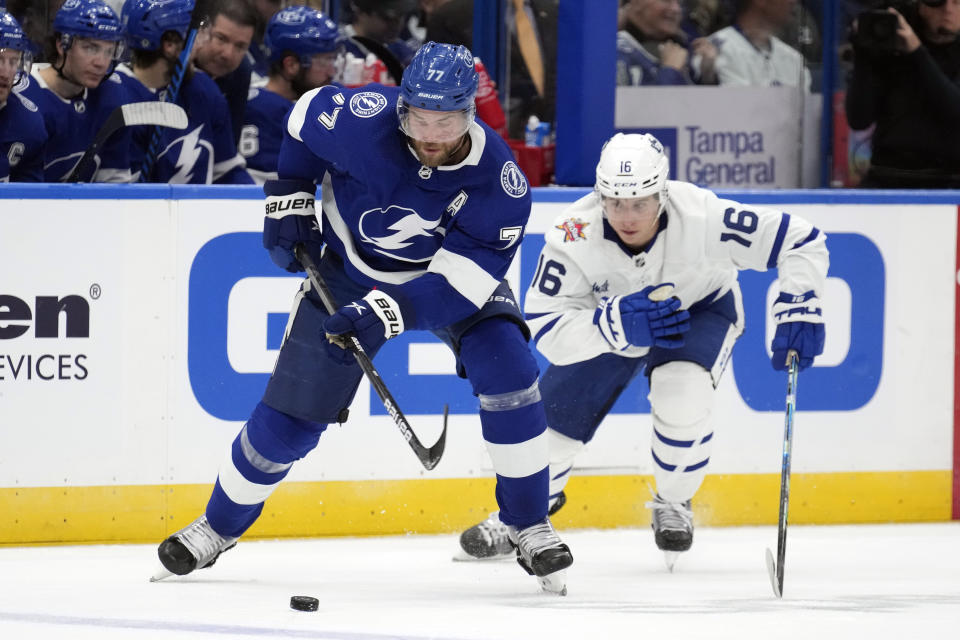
(428, 456)
(776, 570)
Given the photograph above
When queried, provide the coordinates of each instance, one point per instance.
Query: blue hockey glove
(373, 320)
(799, 328)
(290, 219)
(639, 321)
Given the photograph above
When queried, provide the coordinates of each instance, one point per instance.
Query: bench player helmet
(441, 77)
(633, 165)
(147, 20)
(12, 38)
(302, 31)
(87, 19)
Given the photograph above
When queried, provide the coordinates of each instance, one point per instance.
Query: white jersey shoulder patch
(367, 104)
(512, 180)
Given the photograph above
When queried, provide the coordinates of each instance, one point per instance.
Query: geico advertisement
(144, 340)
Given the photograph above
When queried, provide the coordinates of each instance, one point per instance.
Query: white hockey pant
(681, 401)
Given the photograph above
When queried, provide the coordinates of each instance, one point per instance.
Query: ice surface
(875, 582)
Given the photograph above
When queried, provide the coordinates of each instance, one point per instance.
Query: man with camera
(906, 79)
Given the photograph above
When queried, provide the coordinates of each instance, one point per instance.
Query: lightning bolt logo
(405, 230)
(188, 158)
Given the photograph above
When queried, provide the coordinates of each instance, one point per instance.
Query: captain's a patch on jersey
(573, 229)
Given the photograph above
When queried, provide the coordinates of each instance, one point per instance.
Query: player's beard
(298, 83)
(451, 153)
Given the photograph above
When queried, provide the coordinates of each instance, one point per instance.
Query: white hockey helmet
(633, 165)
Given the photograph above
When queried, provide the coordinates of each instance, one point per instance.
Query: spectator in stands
(23, 136)
(750, 53)
(908, 84)
(652, 49)
(382, 22)
(304, 48)
(204, 152)
(78, 92)
(452, 21)
(222, 53)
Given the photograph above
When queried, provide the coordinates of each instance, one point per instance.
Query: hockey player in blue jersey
(204, 152)
(422, 212)
(595, 315)
(304, 48)
(23, 136)
(77, 92)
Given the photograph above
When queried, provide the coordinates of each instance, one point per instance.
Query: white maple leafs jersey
(740, 63)
(703, 242)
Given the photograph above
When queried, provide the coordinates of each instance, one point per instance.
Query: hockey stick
(160, 114)
(775, 569)
(173, 90)
(428, 456)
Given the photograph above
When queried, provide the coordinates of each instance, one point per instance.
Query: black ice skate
(488, 540)
(672, 525)
(196, 546)
(541, 553)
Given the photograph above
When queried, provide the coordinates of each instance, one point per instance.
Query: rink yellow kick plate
(307, 509)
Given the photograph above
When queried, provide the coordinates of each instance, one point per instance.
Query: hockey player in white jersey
(642, 275)
(422, 211)
(304, 48)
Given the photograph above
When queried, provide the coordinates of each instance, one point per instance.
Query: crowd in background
(659, 42)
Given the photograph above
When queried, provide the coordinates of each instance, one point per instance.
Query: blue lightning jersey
(439, 240)
(23, 140)
(204, 152)
(72, 125)
(262, 133)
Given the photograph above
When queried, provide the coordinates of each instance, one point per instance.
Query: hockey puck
(304, 603)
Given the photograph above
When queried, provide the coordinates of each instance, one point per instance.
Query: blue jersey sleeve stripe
(545, 329)
(778, 241)
(810, 238)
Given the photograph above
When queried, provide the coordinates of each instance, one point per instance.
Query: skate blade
(554, 583)
(670, 558)
(160, 574)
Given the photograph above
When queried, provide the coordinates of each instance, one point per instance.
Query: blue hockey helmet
(441, 77)
(303, 31)
(147, 20)
(87, 19)
(12, 37)
(11, 33)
